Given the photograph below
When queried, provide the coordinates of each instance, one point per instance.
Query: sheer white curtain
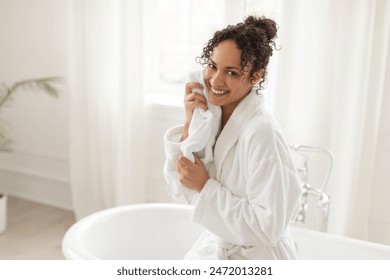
(105, 73)
(330, 82)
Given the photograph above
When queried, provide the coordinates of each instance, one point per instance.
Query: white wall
(34, 44)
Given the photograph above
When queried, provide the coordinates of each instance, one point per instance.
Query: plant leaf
(44, 84)
(4, 133)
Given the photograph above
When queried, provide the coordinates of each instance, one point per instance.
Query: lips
(219, 91)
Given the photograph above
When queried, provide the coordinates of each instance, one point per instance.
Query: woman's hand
(192, 175)
(192, 99)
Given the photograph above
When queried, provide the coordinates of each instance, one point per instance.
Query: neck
(227, 111)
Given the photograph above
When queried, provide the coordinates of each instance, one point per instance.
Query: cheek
(240, 89)
(245, 84)
(207, 77)
(207, 74)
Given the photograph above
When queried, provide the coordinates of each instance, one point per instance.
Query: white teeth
(220, 92)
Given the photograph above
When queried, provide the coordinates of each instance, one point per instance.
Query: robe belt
(225, 248)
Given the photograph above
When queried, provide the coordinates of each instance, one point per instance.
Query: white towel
(202, 134)
(204, 126)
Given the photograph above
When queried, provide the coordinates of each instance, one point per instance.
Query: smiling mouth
(219, 92)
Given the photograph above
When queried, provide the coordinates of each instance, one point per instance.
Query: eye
(211, 66)
(232, 73)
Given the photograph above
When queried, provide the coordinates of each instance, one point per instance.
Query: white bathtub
(165, 231)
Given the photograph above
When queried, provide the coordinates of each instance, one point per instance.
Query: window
(175, 34)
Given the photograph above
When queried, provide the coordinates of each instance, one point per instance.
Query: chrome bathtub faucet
(321, 197)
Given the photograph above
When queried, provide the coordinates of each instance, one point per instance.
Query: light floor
(34, 231)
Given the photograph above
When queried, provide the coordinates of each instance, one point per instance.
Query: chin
(215, 100)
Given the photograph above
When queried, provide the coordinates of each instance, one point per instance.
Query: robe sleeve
(172, 152)
(262, 216)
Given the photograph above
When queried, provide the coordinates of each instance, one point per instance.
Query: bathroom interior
(122, 66)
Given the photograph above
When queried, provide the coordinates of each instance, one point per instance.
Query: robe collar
(245, 110)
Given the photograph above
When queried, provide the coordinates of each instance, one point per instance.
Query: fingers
(198, 161)
(180, 166)
(193, 96)
(193, 85)
(183, 167)
(183, 161)
(195, 100)
(191, 175)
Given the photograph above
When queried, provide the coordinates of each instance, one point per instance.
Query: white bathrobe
(253, 192)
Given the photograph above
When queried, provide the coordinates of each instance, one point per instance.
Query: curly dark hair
(254, 37)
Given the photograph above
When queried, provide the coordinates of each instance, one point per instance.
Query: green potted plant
(6, 95)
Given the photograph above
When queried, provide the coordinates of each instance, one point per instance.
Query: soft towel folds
(204, 126)
(203, 130)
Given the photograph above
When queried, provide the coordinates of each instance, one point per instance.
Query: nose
(217, 79)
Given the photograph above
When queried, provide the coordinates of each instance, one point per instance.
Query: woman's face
(227, 86)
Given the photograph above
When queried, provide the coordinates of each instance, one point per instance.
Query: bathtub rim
(339, 239)
(73, 249)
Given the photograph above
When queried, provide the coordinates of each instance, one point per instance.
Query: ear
(257, 76)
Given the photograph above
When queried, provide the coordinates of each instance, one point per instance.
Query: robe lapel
(251, 104)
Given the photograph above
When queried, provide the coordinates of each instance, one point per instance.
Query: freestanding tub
(165, 231)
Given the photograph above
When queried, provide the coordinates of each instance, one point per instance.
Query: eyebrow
(227, 67)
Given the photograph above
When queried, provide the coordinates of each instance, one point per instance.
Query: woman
(250, 194)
